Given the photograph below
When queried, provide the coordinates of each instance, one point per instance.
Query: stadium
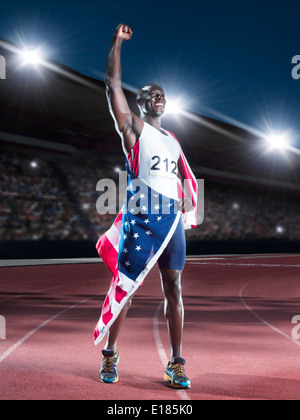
(57, 141)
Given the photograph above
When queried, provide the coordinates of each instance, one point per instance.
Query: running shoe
(175, 374)
(108, 373)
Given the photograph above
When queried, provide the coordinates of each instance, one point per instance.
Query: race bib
(163, 166)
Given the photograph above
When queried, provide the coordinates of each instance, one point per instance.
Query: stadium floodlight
(280, 230)
(173, 107)
(31, 57)
(33, 164)
(277, 142)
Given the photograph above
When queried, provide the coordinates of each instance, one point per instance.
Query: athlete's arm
(127, 124)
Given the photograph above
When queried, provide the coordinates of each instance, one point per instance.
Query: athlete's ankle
(174, 355)
(111, 347)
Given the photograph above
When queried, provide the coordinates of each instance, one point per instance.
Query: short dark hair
(145, 89)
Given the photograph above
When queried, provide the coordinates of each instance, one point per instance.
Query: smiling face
(151, 100)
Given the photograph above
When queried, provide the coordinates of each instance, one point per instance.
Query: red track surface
(237, 339)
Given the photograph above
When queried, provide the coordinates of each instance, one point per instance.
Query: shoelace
(179, 369)
(107, 363)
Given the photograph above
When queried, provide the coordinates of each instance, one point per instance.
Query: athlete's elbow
(108, 88)
(112, 84)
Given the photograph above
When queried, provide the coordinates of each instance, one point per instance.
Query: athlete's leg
(110, 354)
(115, 329)
(174, 311)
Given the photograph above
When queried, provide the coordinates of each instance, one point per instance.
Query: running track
(238, 332)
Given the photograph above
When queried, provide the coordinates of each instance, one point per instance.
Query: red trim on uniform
(134, 158)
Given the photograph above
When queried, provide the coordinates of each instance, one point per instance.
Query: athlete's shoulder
(171, 133)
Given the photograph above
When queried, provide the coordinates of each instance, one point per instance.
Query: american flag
(136, 240)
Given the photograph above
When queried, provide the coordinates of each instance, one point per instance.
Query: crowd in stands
(232, 213)
(33, 204)
(38, 202)
(83, 180)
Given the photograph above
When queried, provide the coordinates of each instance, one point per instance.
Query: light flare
(31, 57)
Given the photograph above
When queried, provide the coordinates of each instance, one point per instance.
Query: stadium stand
(57, 140)
(55, 201)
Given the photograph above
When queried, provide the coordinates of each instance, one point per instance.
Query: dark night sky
(222, 57)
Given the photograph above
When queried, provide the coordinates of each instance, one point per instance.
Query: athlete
(154, 140)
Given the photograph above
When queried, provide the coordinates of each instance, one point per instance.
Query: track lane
(231, 354)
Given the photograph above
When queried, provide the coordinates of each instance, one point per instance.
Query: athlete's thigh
(173, 257)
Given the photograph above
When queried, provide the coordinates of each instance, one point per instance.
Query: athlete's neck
(155, 122)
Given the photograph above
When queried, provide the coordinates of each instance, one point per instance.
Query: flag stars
(159, 218)
(127, 263)
(148, 232)
(133, 222)
(144, 208)
(157, 207)
(136, 236)
(125, 250)
(142, 196)
(138, 248)
(146, 221)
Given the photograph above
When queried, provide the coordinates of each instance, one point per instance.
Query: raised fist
(124, 32)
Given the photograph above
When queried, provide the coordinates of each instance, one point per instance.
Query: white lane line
(241, 256)
(34, 292)
(26, 337)
(245, 265)
(45, 262)
(161, 351)
(219, 323)
(277, 330)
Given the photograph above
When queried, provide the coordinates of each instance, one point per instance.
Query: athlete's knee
(172, 286)
(126, 308)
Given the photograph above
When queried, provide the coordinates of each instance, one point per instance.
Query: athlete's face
(154, 101)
